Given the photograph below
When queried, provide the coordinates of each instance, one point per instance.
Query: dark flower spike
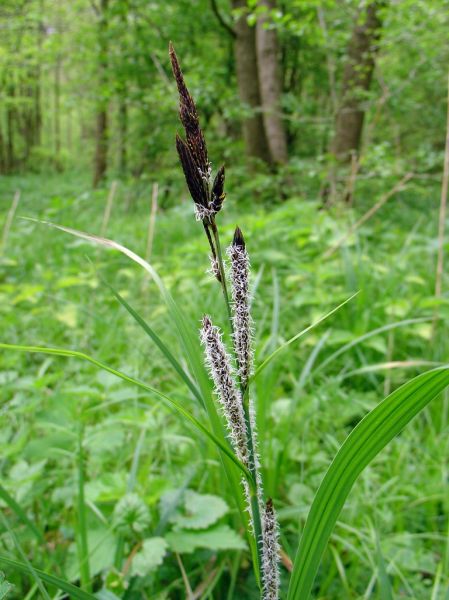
(189, 118)
(218, 194)
(195, 183)
(238, 240)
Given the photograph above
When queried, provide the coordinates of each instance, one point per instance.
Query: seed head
(241, 305)
(270, 553)
(219, 363)
(194, 181)
(188, 115)
(218, 194)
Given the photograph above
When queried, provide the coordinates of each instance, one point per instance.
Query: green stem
(222, 271)
(83, 542)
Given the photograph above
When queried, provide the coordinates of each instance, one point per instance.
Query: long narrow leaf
(363, 444)
(159, 343)
(269, 358)
(166, 399)
(367, 336)
(18, 510)
(65, 586)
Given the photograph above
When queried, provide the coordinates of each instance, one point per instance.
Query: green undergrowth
(153, 490)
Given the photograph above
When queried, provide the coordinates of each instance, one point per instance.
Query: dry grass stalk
(9, 220)
(108, 209)
(442, 215)
(152, 221)
(397, 188)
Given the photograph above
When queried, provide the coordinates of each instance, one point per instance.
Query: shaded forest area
(86, 85)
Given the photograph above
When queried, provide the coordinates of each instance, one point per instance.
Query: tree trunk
(248, 84)
(123, 133)
(101, 151)
(10, 122)
(357, 78)
(57, 113)
(270, 85)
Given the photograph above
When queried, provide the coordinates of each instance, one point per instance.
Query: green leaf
(269, 358)
(74, 592)
(159, 343)
(18, 510)
(363, 444)
(203, 510)
(5, 587)
(99, 544)
(217, 538)
(149, 557)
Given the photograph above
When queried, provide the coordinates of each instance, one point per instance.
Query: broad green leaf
(149, 557)
(74, 592)
(217, 538)
(201, 511)
(99, 542)
(363, 444)
(131, 515)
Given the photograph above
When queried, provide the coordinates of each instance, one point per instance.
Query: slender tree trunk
(101, 151)
(123, 133)
(10, 122)
(357, 78)
(248, 85)
(57, 113)
(270, 85)
(2, 153)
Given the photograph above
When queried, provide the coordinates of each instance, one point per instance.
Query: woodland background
(330, 117)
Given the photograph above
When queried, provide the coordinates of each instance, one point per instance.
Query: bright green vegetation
(153, 486)
(117, 480)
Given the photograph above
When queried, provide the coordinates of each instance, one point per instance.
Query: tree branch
(220, 19)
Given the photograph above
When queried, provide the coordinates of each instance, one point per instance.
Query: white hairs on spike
(239, 260)
(270, 553)
(219, 364)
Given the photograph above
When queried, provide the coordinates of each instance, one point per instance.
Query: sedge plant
(231, 423)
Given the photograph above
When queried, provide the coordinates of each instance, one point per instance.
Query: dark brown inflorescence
(193, 153)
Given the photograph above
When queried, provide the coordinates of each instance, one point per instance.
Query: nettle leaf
(200, 511)
(149, 557)
(131, 515)
(221, 537)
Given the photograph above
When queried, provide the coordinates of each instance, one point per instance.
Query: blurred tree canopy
(87, 83)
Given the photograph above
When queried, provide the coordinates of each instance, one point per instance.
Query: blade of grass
(27, 563)
(269, 358)
(83, 545)
(366, 440)
(74, 592)
(367, 336)
(166, 399)
(159, 343)
(18, 510)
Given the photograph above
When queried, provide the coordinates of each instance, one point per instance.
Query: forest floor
(53, 293)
